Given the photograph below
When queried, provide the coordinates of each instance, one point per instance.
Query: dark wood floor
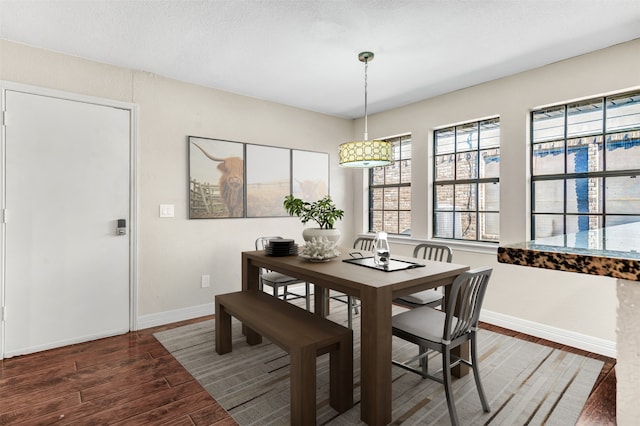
(132, 379)
(129, 379)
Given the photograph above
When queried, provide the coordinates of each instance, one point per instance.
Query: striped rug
(525, 383)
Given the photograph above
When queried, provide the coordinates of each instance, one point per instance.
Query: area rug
(525, 383)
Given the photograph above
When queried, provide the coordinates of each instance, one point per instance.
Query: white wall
(175, 252)
(577, 303)
(628, 363)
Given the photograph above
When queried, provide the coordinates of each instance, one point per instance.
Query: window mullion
(380, 216)
(607, 119)
(457, 181)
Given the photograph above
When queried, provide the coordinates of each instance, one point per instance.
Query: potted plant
(323, 212)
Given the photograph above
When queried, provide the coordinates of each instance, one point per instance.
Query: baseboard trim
(554, 334)
(176, 315)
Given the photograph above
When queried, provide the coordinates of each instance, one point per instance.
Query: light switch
(167, 210)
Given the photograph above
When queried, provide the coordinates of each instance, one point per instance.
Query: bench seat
(303, 335)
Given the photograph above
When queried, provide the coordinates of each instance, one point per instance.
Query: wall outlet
(205, 281)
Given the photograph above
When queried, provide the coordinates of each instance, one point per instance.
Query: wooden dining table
(376, 289)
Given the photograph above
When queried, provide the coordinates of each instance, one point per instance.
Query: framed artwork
(216, 178)
(268, 180)
(235, 179)
(310, 175)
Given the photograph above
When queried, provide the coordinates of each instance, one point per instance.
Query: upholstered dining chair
(276, 280)
(434, 330)
(362, 244)
(431, 297)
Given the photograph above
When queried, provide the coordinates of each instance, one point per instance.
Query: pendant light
(365, 153)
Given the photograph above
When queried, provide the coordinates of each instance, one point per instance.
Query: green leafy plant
(324, 212)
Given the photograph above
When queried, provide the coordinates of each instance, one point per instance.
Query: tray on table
(394, 264)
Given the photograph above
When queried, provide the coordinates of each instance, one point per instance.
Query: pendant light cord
(366, 131)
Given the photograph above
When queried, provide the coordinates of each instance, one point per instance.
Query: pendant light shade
(365, 153)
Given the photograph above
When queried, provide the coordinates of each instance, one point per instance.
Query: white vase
(330, 234)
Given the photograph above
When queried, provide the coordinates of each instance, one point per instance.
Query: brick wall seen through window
(466, 189)
(585, 159)
(390, 191)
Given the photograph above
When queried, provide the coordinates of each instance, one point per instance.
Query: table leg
(250, 275)
(250, 281)
(375, 355)
(319, 300)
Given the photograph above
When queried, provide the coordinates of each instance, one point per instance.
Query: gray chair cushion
(423, 297)
(426, 323)
(278, 278)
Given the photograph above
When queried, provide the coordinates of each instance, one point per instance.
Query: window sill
(469, 246)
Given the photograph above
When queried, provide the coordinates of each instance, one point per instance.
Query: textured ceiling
(304, 53)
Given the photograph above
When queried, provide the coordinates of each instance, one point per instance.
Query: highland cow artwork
(216, 179)
(268, 180)
(310, 175)
(240, 180)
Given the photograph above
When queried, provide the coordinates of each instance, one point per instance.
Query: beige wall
(578, 303)
(628, 364)
(175, 252)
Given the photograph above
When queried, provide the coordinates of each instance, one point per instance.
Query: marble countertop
(612, 252)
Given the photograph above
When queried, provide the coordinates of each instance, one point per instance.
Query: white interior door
(66, 272)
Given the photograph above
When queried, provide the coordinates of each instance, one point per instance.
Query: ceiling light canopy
(365, 153)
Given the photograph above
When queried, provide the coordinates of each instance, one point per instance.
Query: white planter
(330, 234)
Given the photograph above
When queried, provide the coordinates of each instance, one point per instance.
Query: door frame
(133, 189)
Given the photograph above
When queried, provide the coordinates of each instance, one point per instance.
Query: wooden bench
(300, 333)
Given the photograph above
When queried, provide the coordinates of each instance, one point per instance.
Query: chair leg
(308, 295)
(476, 374)
(424, 361)
(446, 371)
(350, 314)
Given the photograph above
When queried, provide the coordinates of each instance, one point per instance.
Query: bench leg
(223, 329)
(303, 386)
(341, 375)
(253, 338)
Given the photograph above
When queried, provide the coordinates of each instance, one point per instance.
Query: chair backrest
(261, 242)
(364, 243)
(465, 302)
(431, 251)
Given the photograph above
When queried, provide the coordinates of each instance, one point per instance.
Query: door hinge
(4, 118)
(4, 215)
(3, 312)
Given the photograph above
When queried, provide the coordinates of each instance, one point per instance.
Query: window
(466, 189)
(585, 157)
(390, 191)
